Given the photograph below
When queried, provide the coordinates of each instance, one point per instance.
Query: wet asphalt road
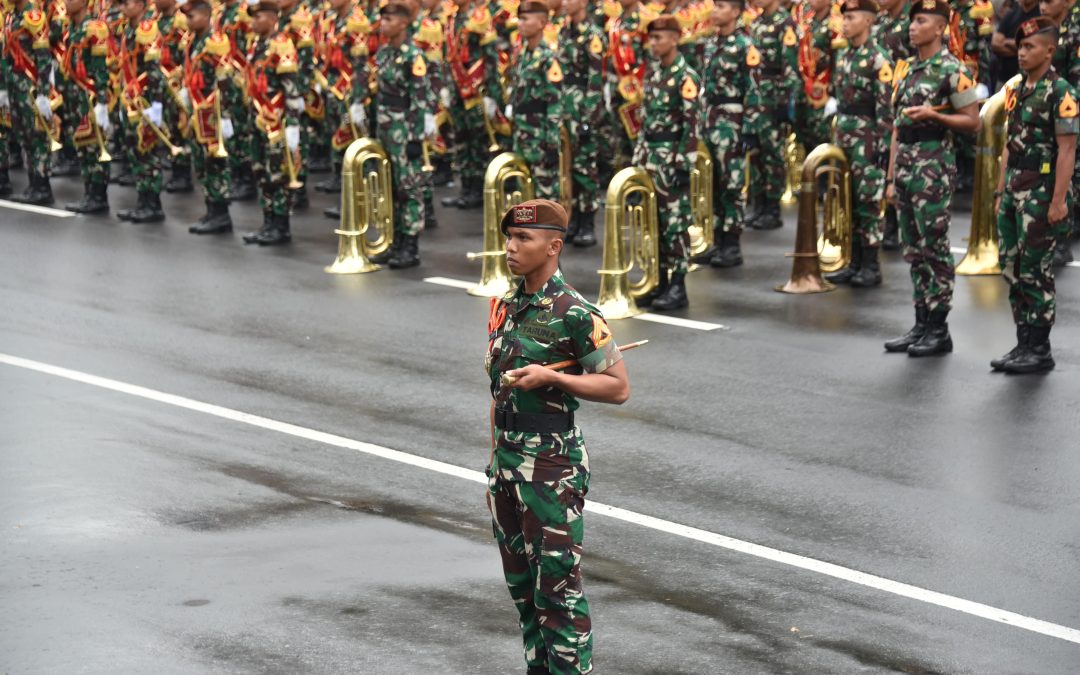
(136, 536)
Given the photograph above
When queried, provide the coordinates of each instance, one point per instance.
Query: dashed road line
(452, 283)
(680, 322)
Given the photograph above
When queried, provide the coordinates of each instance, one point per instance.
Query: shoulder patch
(554, 73)
(1067, 108)
(964, 83)
(886, 73)
(789, 37)
(596, 45)
(97, 29)
(357, 23)
(147, 32)
(217, 44)
(1010, 98)
(34, 20)
(689, 89)
(901, 70)
(419, 68)
(601, 334)
(753, 57)
(180, 21)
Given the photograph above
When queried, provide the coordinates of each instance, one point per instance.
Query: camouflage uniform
(343, 70)
(892, 34)
(299, 26)
(1067, 64)
(429, 34)
(84, 66)
(173, 29)
(27, 65)
(140, 48)
(1036, 116)
(204, 64)
(537, 481)
(581, 52)
(924, 173)
(536, 99)
(272, 68)
(667, 149)
(820, 38)
(232, 19)
(627, 60)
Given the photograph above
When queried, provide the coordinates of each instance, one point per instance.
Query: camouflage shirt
(1067, 54)
(729, 87)
(863, 86)
(892, 34)
(26, 55)
(778, 75)
(403, 95)
(534, 88)
(1037, 115)
(671, 112)
(554, 324)
(940, 81)
(581, 53)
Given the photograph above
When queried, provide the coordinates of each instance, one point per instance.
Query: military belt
(771, 71)
(857, 109)
(1030, 163)
(922, 135)
(575, 81)
(531, 107)
(394, 101)
(534, 423)
(723, 100)
(662, 137)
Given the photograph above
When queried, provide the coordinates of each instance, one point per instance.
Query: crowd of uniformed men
(252, 96)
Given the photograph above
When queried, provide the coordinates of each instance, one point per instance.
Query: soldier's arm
(691, 102)
(1066, 127)
(751, 92)
(155, 83)
(883, 99)
(96, 65)
(792, 79)
(492, 82)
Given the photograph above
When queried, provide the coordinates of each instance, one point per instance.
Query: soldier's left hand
(430, 128)
(532, 376)
(42, 103)
(292, 138)
(1057, 213)
(920, 113)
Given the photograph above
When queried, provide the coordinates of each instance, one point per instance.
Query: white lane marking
(452, 283)
(962, 251)
(775, 555)
(681, 323)
(958, 251)
(33, 208)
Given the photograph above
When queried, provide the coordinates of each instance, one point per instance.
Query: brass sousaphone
(507, 167)
(702, 234)
(631, 240)
(367, 208)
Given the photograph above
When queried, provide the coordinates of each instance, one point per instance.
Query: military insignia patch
(601, 334)
(753, 57)
(689, 89)
(1068, 107)
(596, 46)
(789, 37)
(963, 84)
(1010, 99)
(419, 68)
(929, 4)
(554, 73)
(525, 214)
(885, 74)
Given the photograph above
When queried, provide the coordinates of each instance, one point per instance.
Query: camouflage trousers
(812, 127)
(409, 181)
(769, 167)
(867, 188)
(723, 138)
(172, 119)
(267, 163)
(239, 146)
(673, 205)
(924, 192)
(1027, 241)
(144, 166)
(93, 172)
(536, 139)
(539, 529)
(471, 138)
(213, 173)
(584, 140)
(24, 127)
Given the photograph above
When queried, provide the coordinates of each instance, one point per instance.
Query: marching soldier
(729, 94)
(623, 91)
(535, 104)
(581, 55)
(667, 150)
(205, 65)
(141, 95)
(773, 33)
(297, 23)
(538, 473)
(932, 100)
(84, 66)
(404, 117)
(234, 22)
(864, 120)
(271, 83)
(431, 37)
(890, 31)
(1033, 211)
(24, 91)
(1066, 14)
(172, 24)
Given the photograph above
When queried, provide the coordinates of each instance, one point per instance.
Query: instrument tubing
(534, 423)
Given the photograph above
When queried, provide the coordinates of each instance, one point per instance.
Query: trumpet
(137, 106)
(220, 152)
(290, 168)
(427, 167)
(489, 127)
(54, 143)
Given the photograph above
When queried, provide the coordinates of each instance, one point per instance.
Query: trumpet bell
(631, 241)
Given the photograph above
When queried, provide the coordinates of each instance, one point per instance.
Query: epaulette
(180, 21)
(479, 21)
(612, 8)
(217, 44)
(34, 20)
(282, 47)
(839, 42)
(685, 18)
(153, 54)
(301, 18)
(242, 15)
(358, 23)
(97, 29)
(147, 32)
(982, 10)
(430, 32)
(645, 16)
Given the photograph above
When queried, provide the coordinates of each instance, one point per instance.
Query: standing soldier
(205, 65)
(172, 25)
(623, 91)
(864, 121)
(271, 82)
(1033, 211)
(773, 33)
(25, 91)
(429, 35)
(932, 100)
(819, 42)
(667, 150)
(535, 104)
(84, 65)
(1066, 14)
(234, 22)
(404, 116)
(297, 23)
(581, 54)
(141, 92)
(729, 93)
(890, 31)
(538, 473)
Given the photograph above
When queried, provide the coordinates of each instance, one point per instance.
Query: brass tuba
(794, 157)
(367, 207)
(566, 170)
(495, 279)
(702, 234)
(826, 161)
(982, 252)
(631, 239)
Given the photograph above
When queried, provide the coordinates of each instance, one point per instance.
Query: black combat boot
(216, 221)
(706, 256)
(674, 297)
(891, 239)
(1062, 252)
(331, 185)
(936, 340)
(95, 200)
(38, 191)
(586, 234)
(474, 198)
(67, 163)
(456, 201)
(320, 162)
(408, 254)
(869, 273)
(126, 214)
(279, 233)
(180, 180)
(5, 183)
(909, 338)
(389, 253)
(661, 288)
(753, 209)
(442, 174)
(1022, 330)
(298, 198)
(332, 212)
(572, 227)
(729, 253)
(430, 221)
(151, 211)
(254, 237)
(243, 185)
(846, 274)
(1035, 357)
(770, 215)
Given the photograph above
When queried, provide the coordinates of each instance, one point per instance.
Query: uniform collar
(543, 298)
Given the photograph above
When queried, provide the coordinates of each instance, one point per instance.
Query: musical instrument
(566, 170)
(367, 206)
(495, 279)
(99, 137)
(220, 152)
(631, 240)
(702, 232)
(135, 107)
(794, 156)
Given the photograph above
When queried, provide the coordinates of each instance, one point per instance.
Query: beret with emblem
(860, 6)
(398, 8)
(939, 7)
(263, 6)
(533, 7)
(535, 214)
(664, 22)
(1035, 26)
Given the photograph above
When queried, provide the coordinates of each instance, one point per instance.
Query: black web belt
(771, 71)
(722, 100)
(1031, 163)
(913, 135)
(575, 81)
(662, 137)
(530, 107)
(534, 423)
(394, 101)
(857, 109)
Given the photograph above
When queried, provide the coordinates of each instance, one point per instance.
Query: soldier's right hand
(101, 116)
(489, 107)
(42, 103)
(292, 138)
(153, 113)
(357, 114)
(226, 128)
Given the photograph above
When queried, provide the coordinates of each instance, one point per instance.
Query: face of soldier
(199, 20)
(662, 43)
(725, 13)
(766, 5)
(264, 22)
(392, 25)
(430, 5)
(628, 4)
(926, 29)
(286, 5)
(857, 24)
(338, 5)
(528, 250)
(1035, 52)
(133, 9)
(1055, 9)
(531, 24)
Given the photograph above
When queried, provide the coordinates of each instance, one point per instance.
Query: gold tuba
(367, 207)
(702, 234)
(566, 171)
(982, 252)
(495, 279)
(631, 239)
(829, 161)
(794, 157)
